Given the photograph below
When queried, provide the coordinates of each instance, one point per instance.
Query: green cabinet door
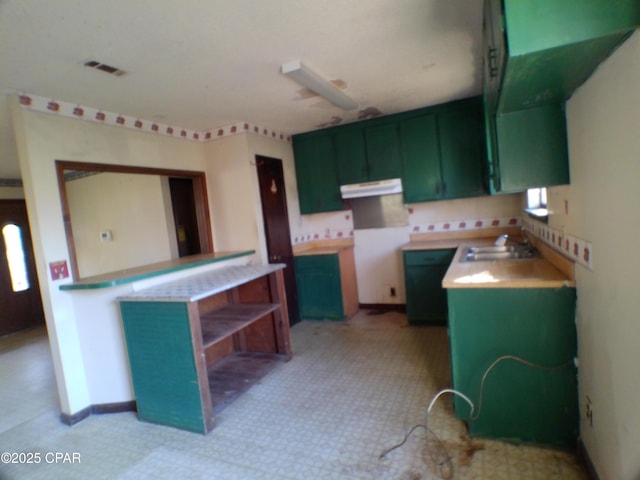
(163, 364)
(319, 287)
(443, 151)
(520, 402)
(382, 151)
(350, 155)
(532, 148)
(318, 187)
(420, 158)
(423, 274)
(462, 151)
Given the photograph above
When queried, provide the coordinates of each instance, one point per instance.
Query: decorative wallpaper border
(90, 114)
(444, 226)
(572, 247)
(325, 235)
(469, 224)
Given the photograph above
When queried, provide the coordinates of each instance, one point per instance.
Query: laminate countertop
(197, 287)
(328, 247)
(524, 273)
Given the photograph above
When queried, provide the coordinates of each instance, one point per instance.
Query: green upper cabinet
(536, 53)
(554, 46)
(420, 158)
(382, 150)
(442, 152)
(351, 155)
(462, 150)
(367, 151)
(318, 187)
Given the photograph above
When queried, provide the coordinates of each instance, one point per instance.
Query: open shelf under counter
(197, 343)
(231, 319)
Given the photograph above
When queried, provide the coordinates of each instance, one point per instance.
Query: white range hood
(371, 189)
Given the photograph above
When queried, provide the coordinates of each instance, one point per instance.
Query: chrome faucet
(502, 240)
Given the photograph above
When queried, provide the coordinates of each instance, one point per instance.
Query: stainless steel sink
(501, 252)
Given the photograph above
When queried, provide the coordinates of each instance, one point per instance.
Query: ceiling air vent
(104, 67)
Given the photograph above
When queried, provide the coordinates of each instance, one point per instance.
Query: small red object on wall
(59, 270)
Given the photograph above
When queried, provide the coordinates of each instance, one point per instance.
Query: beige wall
(87, 343)
(132, 208)
(604, 145)
(11, 193)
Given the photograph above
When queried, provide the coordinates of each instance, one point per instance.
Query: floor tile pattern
(351, 391)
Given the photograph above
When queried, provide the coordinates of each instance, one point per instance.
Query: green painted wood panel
(318, 187)
(532, 148)
(351, 155)
(551, 76)
(319, 287)
(382, 150)
(535, 25)
(461, 138)
(520, 403)
(162, 363)
(423, 273)
(420, 155)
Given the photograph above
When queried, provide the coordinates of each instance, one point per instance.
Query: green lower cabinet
(162, 362)
(520, 403)
(423, 274)
(319, 287)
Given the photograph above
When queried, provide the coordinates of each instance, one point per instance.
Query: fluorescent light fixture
(306, 77)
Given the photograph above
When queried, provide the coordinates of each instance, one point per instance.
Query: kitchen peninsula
(104, 360)
(196, 343)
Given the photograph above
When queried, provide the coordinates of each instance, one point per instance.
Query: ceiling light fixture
(306, 77)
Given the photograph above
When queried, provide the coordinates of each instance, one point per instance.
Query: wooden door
(276, 226)
(20, 302)
(184, 215)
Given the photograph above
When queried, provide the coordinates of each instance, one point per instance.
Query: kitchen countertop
(329, 247)
(134, 274)
(197, 287)
(526, 273)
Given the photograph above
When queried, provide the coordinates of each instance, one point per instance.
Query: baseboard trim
(583, 456)
(384, 307)
(97, 409)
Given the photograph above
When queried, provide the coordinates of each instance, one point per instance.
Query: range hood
(371, 189)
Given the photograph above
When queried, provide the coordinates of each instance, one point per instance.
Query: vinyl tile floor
(352, 391)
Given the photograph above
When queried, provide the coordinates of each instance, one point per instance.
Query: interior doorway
(276, 226)
(184, 214)
(19, 288)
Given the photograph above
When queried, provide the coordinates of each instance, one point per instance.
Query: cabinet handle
(437, 188)
(493, 70)
(444, 188)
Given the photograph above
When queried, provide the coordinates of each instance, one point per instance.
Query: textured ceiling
(200, 64)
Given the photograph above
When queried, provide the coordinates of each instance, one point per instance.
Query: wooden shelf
(236, 373)
(230, 319)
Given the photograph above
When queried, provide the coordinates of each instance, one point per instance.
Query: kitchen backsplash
(433, 227)
(577, 249)
(572, 247)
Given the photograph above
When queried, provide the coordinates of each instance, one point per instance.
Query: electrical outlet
(589, 412)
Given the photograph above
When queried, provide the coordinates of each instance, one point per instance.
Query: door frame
(289, 277)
